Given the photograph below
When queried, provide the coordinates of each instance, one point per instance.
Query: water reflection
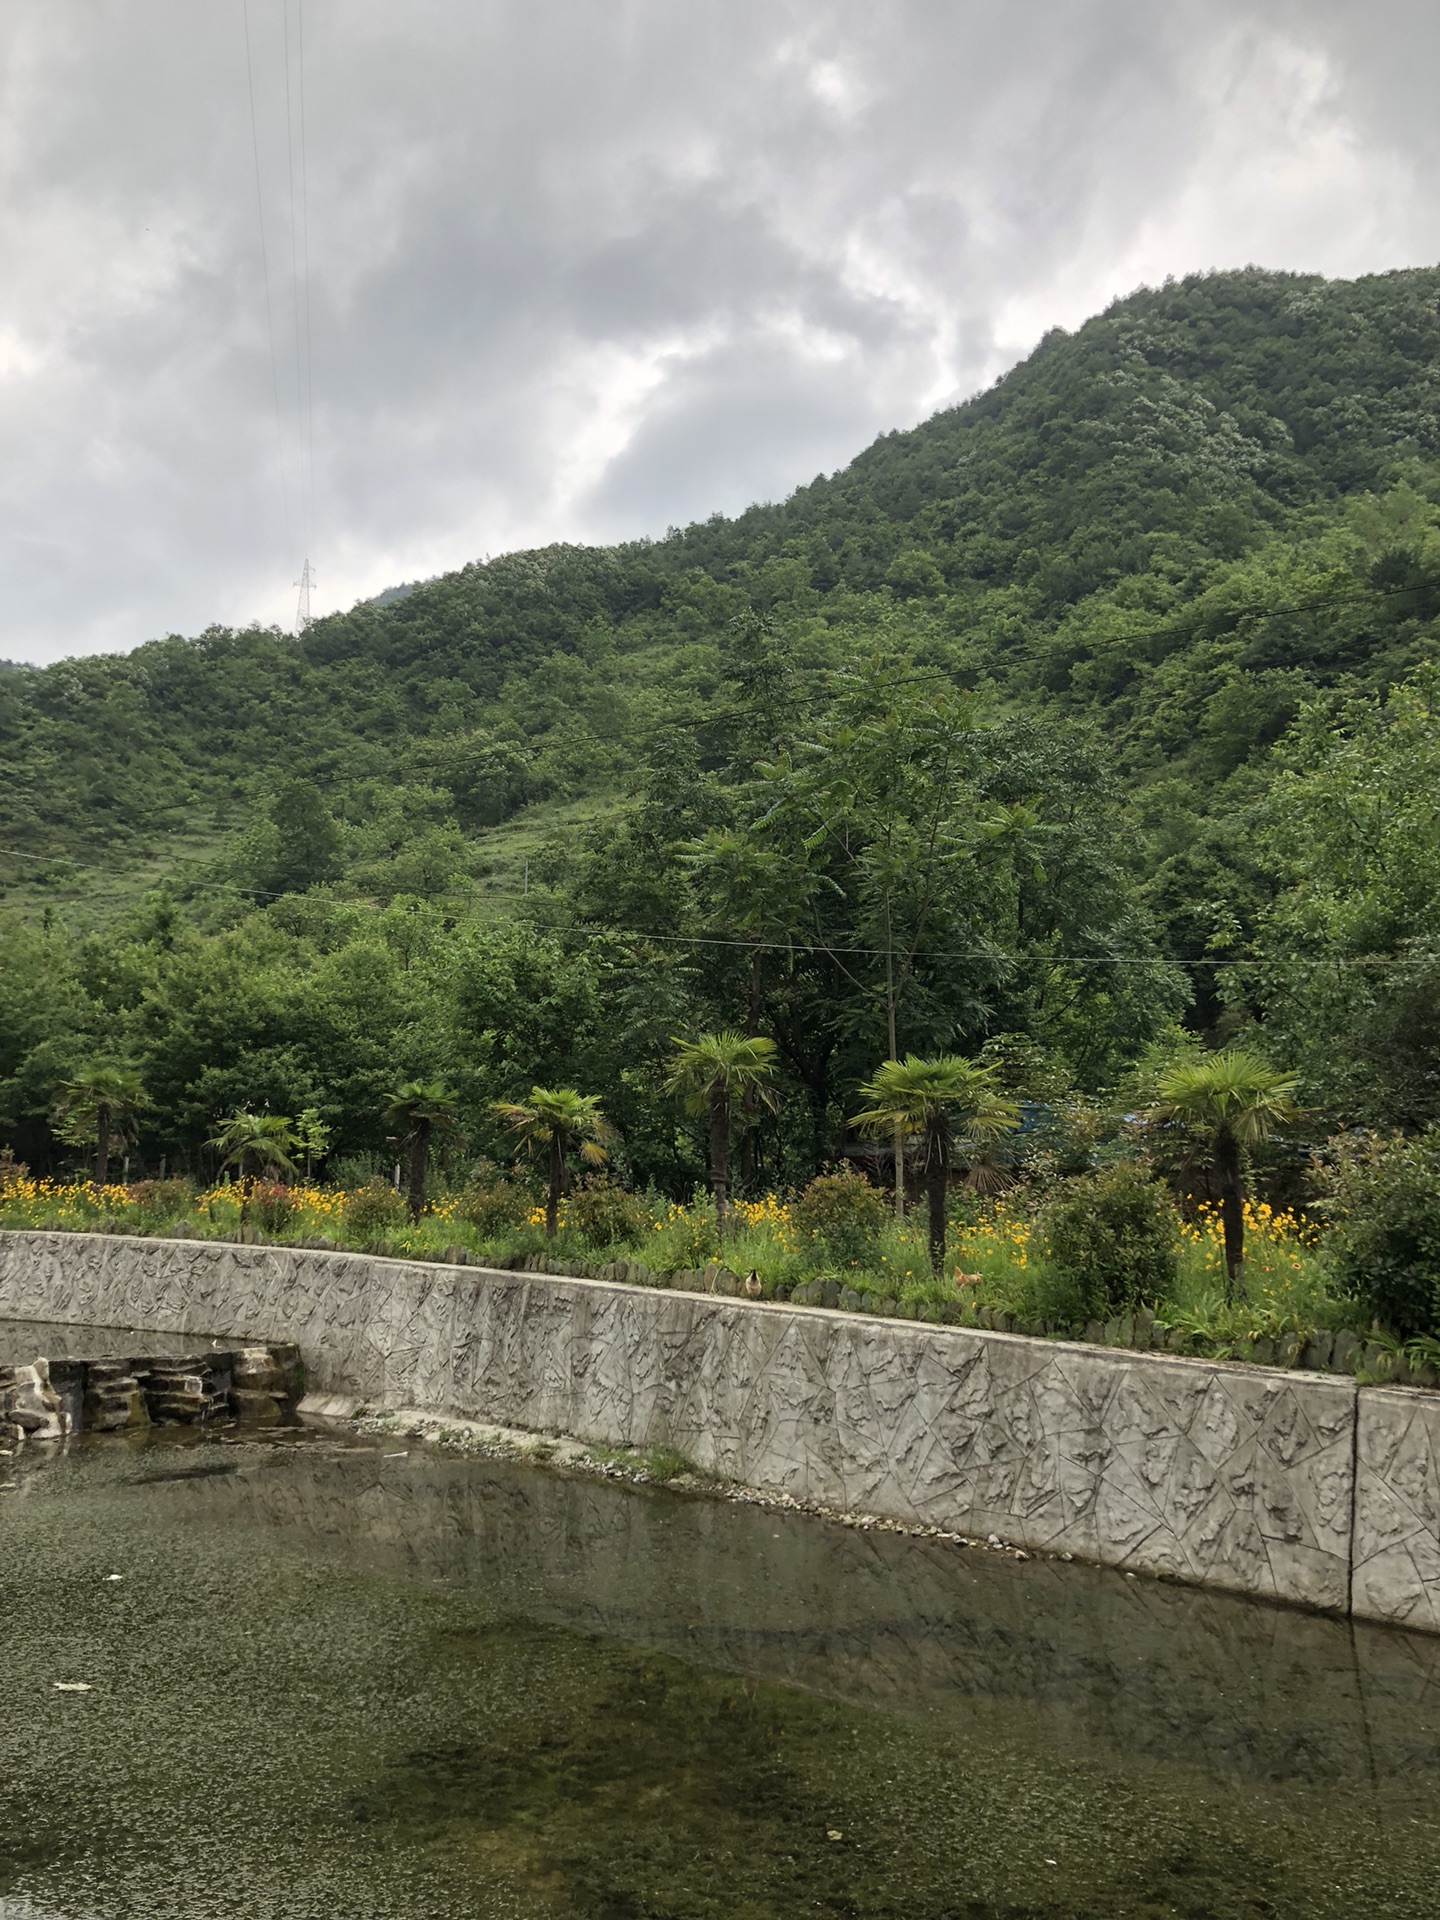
(338, 1681)
(1125, 1667)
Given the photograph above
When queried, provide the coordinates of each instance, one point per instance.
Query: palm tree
(558, 1118)
(264, 1141)
(99, 1104)
(422, 1108)
(711, 1071)
(1235, 1099)
(939, 1099)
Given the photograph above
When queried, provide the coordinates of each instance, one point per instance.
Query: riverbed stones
(255, 1409)
(53, 1398)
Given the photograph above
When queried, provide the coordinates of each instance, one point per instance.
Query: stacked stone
(265, 1384)
(629, 1273)
(30, 1408)
(114, 1398)
(190, 1391)
(713, 1279)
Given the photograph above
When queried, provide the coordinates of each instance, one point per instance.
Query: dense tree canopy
(1097, 703)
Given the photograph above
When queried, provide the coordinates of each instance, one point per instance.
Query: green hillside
(1096, 596)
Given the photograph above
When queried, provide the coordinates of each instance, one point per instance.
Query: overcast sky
(583, 269)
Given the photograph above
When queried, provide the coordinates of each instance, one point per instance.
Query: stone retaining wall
(1285, 1485)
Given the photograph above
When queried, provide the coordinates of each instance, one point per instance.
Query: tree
(1380, 1200)
(940, 1099)
(299, 844)
(902, 851)
(422, 1108)
(1235, 1099)
(98, 1105)
(883, 797)
(1346, 980)
(747, 890)
(256, 1144)
(557, 1119)
(711, 1071)
(312, 1138)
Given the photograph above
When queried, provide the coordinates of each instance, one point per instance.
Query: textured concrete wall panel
(1397, 1508)
(1227, 1476)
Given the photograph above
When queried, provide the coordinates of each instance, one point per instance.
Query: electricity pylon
(302, 611)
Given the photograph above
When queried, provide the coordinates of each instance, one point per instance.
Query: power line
(265, 269)
(294, 245)
(305, 264)
(596, 929)
(300, 296)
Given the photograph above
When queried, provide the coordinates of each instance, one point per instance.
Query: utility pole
(302, 611)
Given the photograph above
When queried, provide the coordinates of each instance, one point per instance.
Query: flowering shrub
(1279, 1248)
(164, 1198)
(995, 1247)
(842, 1216)
(271, 1205)
(27, 1202)
(997, 1258)
(373, 1209)
(683, 1236)
(1286, 1283)
(771, 1216)
(492, 1206)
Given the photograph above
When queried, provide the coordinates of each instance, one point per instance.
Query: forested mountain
(1134, 614)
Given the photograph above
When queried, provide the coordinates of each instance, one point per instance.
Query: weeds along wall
(1283, 1485)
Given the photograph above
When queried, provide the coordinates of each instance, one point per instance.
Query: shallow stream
(345, 1681)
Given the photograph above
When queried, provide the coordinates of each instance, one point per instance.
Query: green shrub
(272, 1206)
(494, 1206)
(1381, 1200)
(349, 1170)
(841, 1215)
(607, 1214)
(1110, 1240)
(162, 1198)
(373, 1209)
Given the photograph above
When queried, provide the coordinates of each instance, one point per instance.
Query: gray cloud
(582, 271)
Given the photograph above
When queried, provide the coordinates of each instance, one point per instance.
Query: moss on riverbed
(342, 1683)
